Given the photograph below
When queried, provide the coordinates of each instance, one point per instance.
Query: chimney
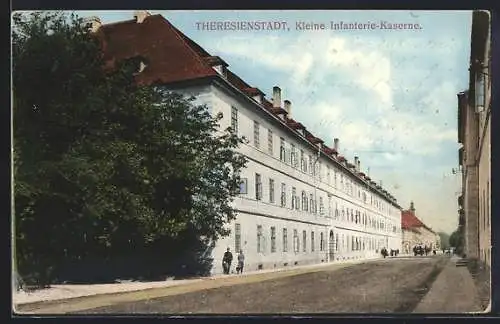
(359, 165)
(336, 144)
(141, 15)
(276, 97)
(412, 207)
(94, 22)
(288, 108)
(356, 160)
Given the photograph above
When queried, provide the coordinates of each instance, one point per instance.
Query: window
(256, 134)
(337, 242)
(302, 161)
(237, 237)
(311, 203)
(329, 206)
(328, 175)
(270, 141)
(336, 211)
(293, 158)
(283, 195)
(321, 241)
(335, 178)
(234, 120)
(304, 241)
(311, 170)
(294, 193)
(258, 187)
(319, 171)
(304, 201)
(243, 185)
(479, 91)
(305, 164)
(296, 247)
(259, 238)
(271, 191)
(312, 241)
(285, 240)
(321, 207)
(282, 149)
(273, 239)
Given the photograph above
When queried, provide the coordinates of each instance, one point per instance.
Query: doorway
(331, 246)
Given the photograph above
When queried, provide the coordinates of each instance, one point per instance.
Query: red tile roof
(151, 39)
(171, 56)
(411, 222)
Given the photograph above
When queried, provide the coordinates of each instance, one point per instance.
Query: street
(385, 286)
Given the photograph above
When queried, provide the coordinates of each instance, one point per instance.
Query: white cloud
(310, 61)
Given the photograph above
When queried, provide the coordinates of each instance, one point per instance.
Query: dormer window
(142, 66)
(221, 70)
(218, 65)
(139, 64)
(258, 98)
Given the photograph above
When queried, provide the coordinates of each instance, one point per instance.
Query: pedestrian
(384, 252)
(226, 261)
(241, 262)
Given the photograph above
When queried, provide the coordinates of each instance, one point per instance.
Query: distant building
(300, 201)
(474, 120)
(415, 232)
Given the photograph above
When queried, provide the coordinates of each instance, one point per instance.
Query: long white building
(301, 202)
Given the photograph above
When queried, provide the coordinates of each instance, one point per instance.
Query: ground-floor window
(321, 241)
(273, 239)
(285, 240)
(304, 241)
(312, 241)
(296, 247)
(259, 238)
(237, 237)
(337, 242)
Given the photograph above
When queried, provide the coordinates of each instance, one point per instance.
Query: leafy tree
(444, 240)
(457, 240)
(104, 167)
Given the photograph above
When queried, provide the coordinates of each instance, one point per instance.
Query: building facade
(474, 111)
(416, 233)
(300, 201)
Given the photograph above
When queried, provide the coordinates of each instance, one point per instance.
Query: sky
(390, 96)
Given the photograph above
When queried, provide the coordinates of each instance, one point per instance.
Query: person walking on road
(241, 262)
(226, 261)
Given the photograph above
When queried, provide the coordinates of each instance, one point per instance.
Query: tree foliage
(444, 239)
(457, 240)
(104, 167)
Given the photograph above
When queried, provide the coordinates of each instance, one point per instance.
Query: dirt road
(386, 286)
